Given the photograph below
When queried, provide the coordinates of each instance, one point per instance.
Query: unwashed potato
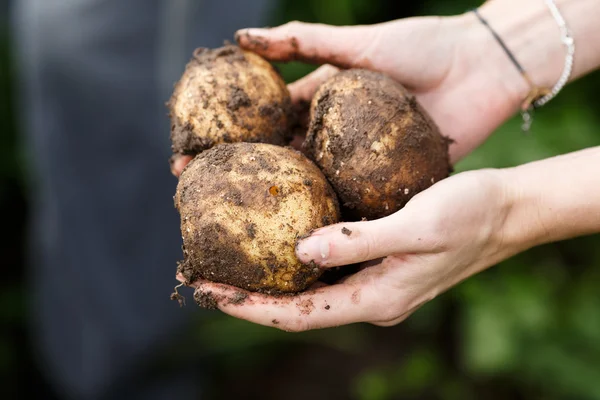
(243, 207)
(228, 95)
(374, 142)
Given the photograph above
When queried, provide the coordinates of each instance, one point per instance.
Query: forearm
(553, 199)
(532, 35)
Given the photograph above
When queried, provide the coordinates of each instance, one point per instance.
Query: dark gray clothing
(105, 234)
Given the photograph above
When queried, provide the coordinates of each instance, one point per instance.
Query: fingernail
(314, 248)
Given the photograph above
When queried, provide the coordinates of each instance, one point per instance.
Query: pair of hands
(444, 234)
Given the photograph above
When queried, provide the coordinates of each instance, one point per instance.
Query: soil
(333, 275)
(237, 98)
(222, 259)
(238, 298)
(256, 42)
(185, 142)
(251, 230)
(206, 300)
(176, 296)
(305, 306)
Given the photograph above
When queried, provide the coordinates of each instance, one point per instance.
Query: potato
(374, 142)
(228, 95)
(243, 207)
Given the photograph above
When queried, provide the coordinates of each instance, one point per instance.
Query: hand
(442, 236)
(460, 225)
(453, 66)
(437, 58)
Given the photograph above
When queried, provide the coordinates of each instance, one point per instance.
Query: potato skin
(377, 146)
(228, 95)
(242, 208)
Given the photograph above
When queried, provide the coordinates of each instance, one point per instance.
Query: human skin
(463, 78)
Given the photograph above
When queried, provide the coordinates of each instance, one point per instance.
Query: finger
(301, 110)
(344, 47)
(297, 142)
(323, 307)
(304, 89)
(350, 243)
(178, 163)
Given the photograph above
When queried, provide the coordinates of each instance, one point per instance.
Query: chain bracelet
(569, 43)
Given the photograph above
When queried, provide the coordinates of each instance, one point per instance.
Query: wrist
(551, 200)
(533, 37)
(519, 230)
(505, 233)
(530, 34)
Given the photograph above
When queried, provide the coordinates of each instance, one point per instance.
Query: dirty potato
(228, 95)
(374, 142)
(243, 207)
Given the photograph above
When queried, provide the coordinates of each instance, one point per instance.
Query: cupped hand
(452, 65)
(444, 61)
(443, 235)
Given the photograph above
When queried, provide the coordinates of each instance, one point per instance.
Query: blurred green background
(528, 328)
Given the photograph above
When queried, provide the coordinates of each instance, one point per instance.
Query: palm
(463, 114)
(443, 255)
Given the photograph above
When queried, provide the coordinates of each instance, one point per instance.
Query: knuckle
(292, 26)
(365, 250)
(328, 69)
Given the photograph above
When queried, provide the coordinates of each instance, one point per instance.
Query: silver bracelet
(569, 43)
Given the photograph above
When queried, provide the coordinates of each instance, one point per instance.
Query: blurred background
(526, 329)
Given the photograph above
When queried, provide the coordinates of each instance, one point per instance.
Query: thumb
(344, 47)
(356, 242)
